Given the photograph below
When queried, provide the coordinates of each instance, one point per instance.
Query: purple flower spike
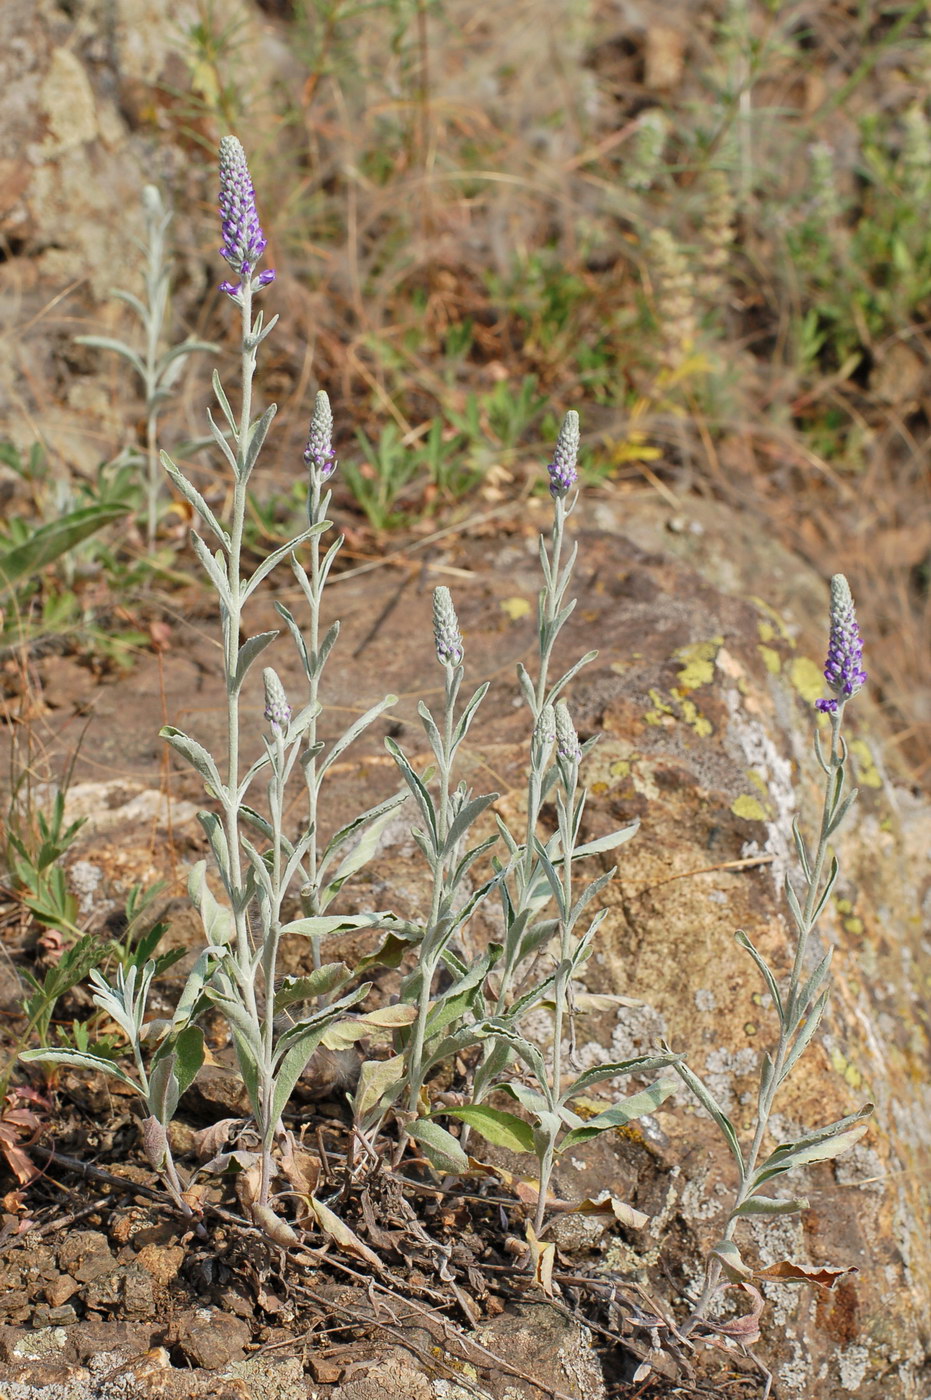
(562, 469)
(446, 634)
(842, 670)
(319, 457)
(277, 709)
(243, 239)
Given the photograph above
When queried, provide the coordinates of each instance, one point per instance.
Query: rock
(211, 1339)
(127, 1288)
(85, 1255)
(392, 1377)
(60, 1290)
(217, 1093)
(543, 1343)
(162, 1262)
(268, 1379)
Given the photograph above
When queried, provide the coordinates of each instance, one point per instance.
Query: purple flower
(842, 670)
(243, 239)
(319, 457)
(446, 634)
(277, 709)
(562, 469)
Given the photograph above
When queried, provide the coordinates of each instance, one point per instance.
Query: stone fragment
(555, 1350)
(127, 1288)
(210, 1338)
(393, 1377)
(161, 1262)
(85, 1255)
(60, 1290)
(269, 1379)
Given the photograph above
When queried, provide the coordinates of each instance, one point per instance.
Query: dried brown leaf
(823, 1275)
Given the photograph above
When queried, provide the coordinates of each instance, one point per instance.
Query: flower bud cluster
(319, 457)
(567, 741)
(277, 709)
(446, 633)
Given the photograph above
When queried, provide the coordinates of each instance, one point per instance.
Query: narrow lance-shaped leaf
(842, 810)
(51, 541)
(355, 729)
(297, 636)
(802, 849)
(822, 1145)
(640, 1064)
(257, 436)
(275, 558)
(764, 968)
(769, 1205)
(811, 988)
(567, 676)
(421, 795)
(219, 437)
(224, 402)
(364, 849)
(80, 1060)
(794, 907)
(826, 892)
(465, 818)
(250, 650)
(102, 342)
(215, 569)
(622, 1113)
(440, 1147)
(497, 1127)
(198, 757)
(707, 1100)
(195, 499)
(468, 714)
(804, 1037)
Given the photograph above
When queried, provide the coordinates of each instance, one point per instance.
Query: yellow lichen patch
(854, 925)
(766, 630)
(618, 667)
(775, 622)
(867, 772)
(598, 788)
(693, 716)
(620, 769)
(698, 660)
(515, 608)
(661, 712)
(846, 1070)
(749, 808)
(771, 660)
(758, 782)
(807, 677)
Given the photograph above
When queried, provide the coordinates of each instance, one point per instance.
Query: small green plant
(27, 548)
(33, 863)
(156, 366)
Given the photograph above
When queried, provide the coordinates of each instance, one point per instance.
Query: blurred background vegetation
(703, 225)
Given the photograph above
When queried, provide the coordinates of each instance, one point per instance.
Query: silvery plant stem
(231, 629)
(434, 933)
(565, 802)
(312, 584)
(156, 283)
(797, 1000)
